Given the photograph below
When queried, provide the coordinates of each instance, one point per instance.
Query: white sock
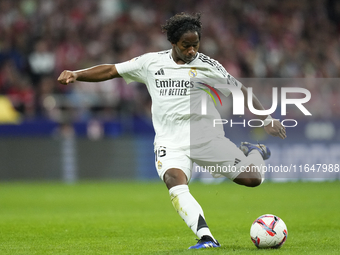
(256, 158)
(189, 209)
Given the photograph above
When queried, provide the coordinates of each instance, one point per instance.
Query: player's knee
(249, 179)
(254, 182)
(174, 177)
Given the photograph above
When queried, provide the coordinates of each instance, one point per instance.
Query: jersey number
(161, 152)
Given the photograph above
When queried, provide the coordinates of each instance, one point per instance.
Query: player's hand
(275, 128)
(67, 77)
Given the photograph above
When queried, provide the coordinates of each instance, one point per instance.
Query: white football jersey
(177, 94)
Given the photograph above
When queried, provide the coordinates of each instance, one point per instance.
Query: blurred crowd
(252, 39)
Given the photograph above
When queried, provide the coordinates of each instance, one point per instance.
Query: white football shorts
(220, 157)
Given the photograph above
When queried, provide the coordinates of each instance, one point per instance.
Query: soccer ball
(268, 231)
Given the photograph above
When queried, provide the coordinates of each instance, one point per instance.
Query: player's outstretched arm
(274, 127)
(92, 74)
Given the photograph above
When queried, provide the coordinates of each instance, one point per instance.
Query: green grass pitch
(138, 218)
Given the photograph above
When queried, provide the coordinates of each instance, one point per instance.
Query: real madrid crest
(159, 164)
(193, 72)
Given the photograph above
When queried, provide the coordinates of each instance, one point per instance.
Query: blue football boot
(248, 147)
(205, 242)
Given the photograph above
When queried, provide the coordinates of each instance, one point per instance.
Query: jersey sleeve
(222, 77)
(134, 69)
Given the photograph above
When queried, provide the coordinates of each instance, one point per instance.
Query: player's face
(186, 48)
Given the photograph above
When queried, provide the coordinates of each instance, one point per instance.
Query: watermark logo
(239, 102)
(209, 93)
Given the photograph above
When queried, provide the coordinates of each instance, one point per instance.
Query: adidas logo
(237, 161)
(160, 72)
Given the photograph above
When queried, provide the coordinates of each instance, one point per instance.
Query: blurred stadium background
(104, 131)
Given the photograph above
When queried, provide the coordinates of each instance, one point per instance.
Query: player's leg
(174, 168)
(253, 175)
(188, 208)
(249, 178)
(225, 159)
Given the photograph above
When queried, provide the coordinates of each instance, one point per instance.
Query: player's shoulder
(206, 60)
(163, 52)
(211, 63)
(152, 56)
(158, 54)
